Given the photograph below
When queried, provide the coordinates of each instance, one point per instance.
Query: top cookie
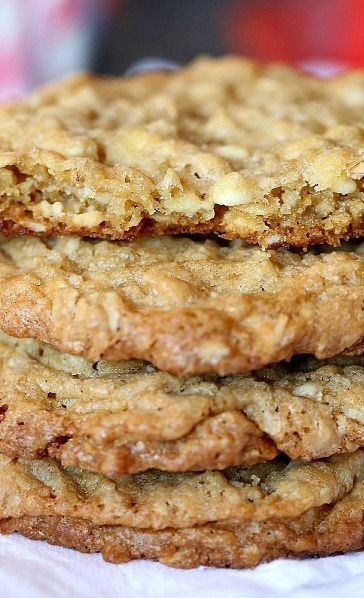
(268, 155)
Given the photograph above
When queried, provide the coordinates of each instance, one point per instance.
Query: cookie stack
(196, 398)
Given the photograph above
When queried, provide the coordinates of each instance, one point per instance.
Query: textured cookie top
(159, 500)
(128, 417)
(186, 306)
(265, 154)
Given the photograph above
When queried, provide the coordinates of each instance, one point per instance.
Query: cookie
(237, 518)
(264, 154)
(186, 306)
(280, 489)
(117, 418)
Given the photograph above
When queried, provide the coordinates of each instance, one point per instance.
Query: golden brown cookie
(264, 154)
(127, 417)
(237, 518)
(186, 306)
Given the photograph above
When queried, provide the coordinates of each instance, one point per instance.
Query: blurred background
(43, 39)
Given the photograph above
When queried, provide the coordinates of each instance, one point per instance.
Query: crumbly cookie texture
(264, 154)
(186, 306)
(237, 518)
(127, 417)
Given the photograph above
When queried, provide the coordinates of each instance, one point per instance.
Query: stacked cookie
(196, 398)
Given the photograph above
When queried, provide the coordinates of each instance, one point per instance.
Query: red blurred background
(296, 30)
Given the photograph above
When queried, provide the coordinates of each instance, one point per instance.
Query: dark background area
(173, 29)
(289, 30)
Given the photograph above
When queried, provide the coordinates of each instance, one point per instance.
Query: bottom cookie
(330, 529)
(238, 517)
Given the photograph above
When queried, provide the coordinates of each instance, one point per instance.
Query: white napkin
(36, 570)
